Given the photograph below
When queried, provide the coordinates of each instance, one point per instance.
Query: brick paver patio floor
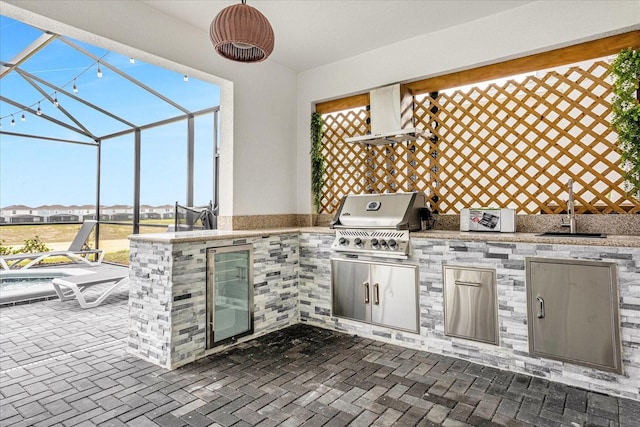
(61, 365)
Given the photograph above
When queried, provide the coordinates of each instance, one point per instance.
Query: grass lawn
(113, 238)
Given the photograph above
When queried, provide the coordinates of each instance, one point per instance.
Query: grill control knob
(392, 244)
(343, 241)
(383, 243)
(357, 241)
(374, 243)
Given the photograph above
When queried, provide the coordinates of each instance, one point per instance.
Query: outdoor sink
(563, 234)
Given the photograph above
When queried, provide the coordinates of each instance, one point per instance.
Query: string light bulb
(38, 111)
(99, 71)
(13, 121)
(55, 99)
(131, 60)
(185, 78)
(75, 88)
(23, 118)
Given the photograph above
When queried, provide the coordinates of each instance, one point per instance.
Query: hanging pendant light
(241, 33)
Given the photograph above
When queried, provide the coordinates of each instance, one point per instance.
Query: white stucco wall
(257, 100)
(534, 27)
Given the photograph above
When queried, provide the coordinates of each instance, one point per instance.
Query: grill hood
(395, 211)
(386, 124)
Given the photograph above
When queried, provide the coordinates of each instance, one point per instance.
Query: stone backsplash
(627, 224)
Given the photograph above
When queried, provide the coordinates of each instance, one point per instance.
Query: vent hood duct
(386, 126)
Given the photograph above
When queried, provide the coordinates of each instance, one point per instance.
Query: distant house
(47, 211)
(148, 212)
(13, 210)
(15, 214)
(165, 211)
(121, 217)
(63, 218)
(20, 214)
(92, 217)
(24, 219)
(118, 212)
(150, 215)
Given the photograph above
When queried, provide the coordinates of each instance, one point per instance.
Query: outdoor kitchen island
(292, 284)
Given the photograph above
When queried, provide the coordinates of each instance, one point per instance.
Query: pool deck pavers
(64, 366)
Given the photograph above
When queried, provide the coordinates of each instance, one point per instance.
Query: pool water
(17, 283)
(21, 285)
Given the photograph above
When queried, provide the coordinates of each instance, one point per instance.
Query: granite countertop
(610, 240)
(195, 236)
(200, 235)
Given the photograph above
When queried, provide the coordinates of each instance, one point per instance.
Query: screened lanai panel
(47, 173)
(124, 87)
(193, 94)
(163, 179)
(117, 178)
(43, 72)
(103, 100)
(203, 159)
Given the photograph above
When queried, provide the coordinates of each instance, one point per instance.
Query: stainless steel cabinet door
(394, 296)
(470, 303)
(351, 290)
(573, 312)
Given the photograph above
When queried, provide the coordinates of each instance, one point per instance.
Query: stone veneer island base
(292, 283)
(168, 301)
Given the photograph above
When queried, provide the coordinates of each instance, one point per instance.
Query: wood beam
(354, 101)
(539, 61)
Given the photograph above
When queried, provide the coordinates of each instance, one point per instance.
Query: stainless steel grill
(378, 224)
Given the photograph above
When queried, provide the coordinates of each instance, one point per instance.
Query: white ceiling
(311, 33)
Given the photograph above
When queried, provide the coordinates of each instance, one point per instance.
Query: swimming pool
(18, 286)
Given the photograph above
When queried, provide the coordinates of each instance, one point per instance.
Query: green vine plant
(317, 161)
(625, 107)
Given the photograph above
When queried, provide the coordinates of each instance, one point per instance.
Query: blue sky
(36, 172)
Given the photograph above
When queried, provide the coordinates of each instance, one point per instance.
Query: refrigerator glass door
(230, 292)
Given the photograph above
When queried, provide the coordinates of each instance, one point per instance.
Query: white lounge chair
(74, 253)
(73, 287)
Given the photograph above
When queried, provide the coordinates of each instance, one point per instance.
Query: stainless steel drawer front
(470, 303)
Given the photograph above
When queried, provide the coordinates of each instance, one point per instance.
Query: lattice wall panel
(401, 167)
(344, 163)
(513, 144)
(516, 144)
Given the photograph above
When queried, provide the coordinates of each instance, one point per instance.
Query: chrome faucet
(571, 210)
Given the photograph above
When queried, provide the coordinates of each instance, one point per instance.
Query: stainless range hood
(386, 126)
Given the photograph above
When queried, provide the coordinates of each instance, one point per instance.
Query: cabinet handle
(541, 311)
(376, 294)
(366, 292)
(462, 283)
